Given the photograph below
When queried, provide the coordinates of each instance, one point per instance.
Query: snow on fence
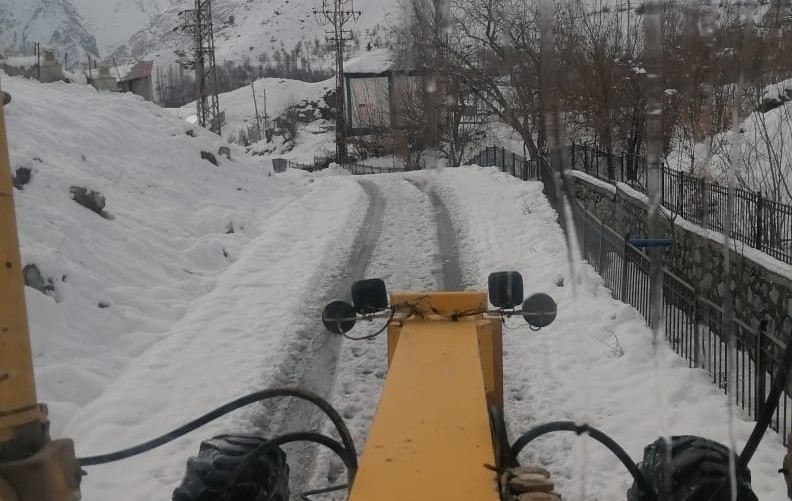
(758, 222)
(355, 168)
(694, 326)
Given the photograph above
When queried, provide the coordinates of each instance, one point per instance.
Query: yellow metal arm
(32, 468)
(20, 417)
(431, 436)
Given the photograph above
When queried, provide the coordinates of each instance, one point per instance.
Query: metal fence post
(759, 219)
(697, 334)
(681, 194)
(585, 157)
(514, 166)
(599, 251)
(623, 292)
(525, 169)
(761, 374)
(572, 154)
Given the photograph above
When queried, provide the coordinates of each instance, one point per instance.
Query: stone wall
(762, 286)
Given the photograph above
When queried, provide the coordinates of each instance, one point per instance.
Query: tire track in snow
(311, 362)
(451, 277)
(417, 251)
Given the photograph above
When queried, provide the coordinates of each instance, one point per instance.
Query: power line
(198, 23)
(336, 14)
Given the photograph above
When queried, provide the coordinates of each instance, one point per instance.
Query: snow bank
(179, 298)
(280, 94)
(595, 363)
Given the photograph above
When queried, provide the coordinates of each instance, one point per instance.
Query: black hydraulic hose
(769, 407)
(348, 457)
(597, 435)
(343, 431)
(350, 460)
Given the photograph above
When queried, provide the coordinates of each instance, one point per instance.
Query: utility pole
(266, 119)
(38, 60)
(255, 105)
(336, 14)
(198, 23)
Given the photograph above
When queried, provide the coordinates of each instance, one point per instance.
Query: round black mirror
(539, 310)
(339, 317)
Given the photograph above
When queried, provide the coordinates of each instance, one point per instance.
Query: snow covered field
(159, 312)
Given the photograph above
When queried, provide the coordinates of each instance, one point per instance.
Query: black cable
(350, 461)
(597, 435)
(304, 495)
(372, 336)
(258, 396)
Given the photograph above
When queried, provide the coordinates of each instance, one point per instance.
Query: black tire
(699, 471)
(235, 468)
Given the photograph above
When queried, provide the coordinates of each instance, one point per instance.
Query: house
(104, 79)
(140, 80)
(46, 69)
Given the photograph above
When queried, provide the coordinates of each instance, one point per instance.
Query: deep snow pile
(277, 93)
(181, 296)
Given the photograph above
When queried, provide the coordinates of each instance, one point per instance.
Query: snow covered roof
(375, 61)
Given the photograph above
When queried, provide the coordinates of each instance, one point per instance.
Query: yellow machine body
(32, 468)
(431, 437)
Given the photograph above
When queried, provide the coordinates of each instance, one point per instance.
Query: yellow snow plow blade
(431, 436)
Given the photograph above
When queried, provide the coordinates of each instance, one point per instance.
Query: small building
(139, 80)
(104, 79)
(46, 69)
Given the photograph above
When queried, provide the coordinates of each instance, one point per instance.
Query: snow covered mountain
(53, 23)
(247, 28)
(113, 21)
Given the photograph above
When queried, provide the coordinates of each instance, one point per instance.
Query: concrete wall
(142, 87)
(51, 70)
(762, 286)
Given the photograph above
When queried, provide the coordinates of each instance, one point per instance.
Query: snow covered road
(205, 282)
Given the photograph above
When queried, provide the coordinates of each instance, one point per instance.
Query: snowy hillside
(275, 93)
(198, 283)
(173, 223)
(247, 28)
(53, 23)
(112, 22)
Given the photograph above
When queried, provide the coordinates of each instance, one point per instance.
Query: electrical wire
(372, 336)
(259, 396)
(597, 435)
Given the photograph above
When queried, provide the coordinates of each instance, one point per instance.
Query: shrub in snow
(34, 278)
(208, 156)
(90, 199)
(21, 177)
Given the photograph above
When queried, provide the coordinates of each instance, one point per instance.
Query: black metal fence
(756, 221)
(694, 326)
(321, 163)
